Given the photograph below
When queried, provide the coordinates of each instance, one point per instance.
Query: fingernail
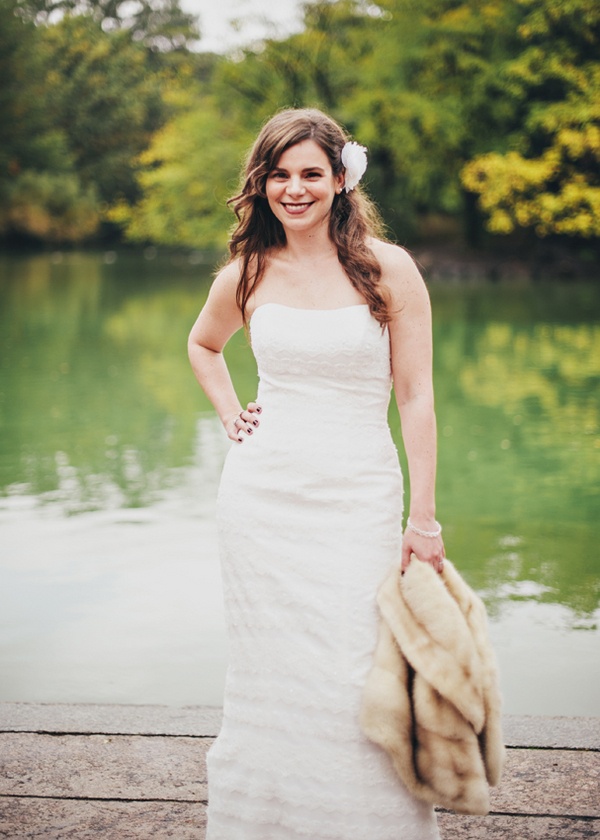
(255, 422)
(258, 409)
(249, 431)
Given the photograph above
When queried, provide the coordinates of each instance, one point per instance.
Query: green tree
(161, 25)
(193, 164)
(102, 95)
(85, 89)
(51, 206)
(187, 174)
(41, 194)
(548, 179)
(417, 83)
(430, 99)
(455, 99)
(310, 68)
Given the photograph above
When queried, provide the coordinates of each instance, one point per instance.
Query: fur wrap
(431, 699)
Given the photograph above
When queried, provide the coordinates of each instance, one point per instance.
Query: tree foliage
(41, 193)
(104, 98)
(416, 82)
(83, 97)
(474, 111)
(160, 25)
(186, 177)
(549, 178)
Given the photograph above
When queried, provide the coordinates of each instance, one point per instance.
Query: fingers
(244, 423)
(426, 549)
(437, 565)
(254, 407)
(250, 416)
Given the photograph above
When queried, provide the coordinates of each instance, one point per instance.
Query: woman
(310, 502)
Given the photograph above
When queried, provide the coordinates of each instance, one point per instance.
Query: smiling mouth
(297, 209)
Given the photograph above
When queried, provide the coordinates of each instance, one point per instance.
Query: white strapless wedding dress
(309, 516)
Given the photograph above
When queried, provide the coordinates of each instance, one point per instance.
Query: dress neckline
(308, 309)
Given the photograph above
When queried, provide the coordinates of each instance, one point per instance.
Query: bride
(310, 501)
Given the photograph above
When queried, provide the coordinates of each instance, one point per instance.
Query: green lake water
(110, 457)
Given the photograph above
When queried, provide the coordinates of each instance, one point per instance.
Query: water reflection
(519, 414)
(97, 401)
(99, 417)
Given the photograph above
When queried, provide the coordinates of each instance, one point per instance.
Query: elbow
(422, 398)
(199, 353)
(194, 344)
(194, 350)
(417, 408)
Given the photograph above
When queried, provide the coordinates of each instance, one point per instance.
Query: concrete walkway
(137, 773)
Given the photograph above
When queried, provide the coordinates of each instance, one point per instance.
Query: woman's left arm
(412, 362)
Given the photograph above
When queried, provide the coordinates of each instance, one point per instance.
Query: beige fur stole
(432, 699)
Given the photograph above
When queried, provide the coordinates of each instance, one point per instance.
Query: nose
(295, 185)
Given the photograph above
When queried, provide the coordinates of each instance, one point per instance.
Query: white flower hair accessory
(354, 158)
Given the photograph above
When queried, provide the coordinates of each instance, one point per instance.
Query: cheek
(273, 204)
(269, 196)
(329, 189)
(272, 191)
(328, 195)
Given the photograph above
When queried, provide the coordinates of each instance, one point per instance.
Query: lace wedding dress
(309, 516)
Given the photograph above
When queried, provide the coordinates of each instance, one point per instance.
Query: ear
(339, 182)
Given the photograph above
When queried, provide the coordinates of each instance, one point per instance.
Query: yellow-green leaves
(549, 179)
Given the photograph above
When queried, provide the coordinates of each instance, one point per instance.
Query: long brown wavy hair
(353, 216)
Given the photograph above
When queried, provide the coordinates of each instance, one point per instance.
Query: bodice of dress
(335, 360)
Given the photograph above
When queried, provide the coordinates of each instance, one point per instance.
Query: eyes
(309, 175)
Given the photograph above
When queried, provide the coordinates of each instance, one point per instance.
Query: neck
(306, 246)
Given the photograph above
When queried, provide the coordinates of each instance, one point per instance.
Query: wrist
(423, 517)
(432, 530)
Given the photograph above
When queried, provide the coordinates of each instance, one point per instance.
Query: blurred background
(122, 130)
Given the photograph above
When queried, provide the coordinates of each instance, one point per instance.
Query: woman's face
(301, 188)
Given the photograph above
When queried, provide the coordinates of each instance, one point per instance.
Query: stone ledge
(552, 732)
(97, 719)
(204, 722)
(78, 772)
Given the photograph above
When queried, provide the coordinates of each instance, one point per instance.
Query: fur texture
(432, 699)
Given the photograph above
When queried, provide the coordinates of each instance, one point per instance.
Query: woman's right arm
(219, 319)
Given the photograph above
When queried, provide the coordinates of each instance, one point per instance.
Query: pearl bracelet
(431, 534)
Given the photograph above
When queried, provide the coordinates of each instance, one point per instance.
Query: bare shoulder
(226, 280)
(399, 272)
(220, 316)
